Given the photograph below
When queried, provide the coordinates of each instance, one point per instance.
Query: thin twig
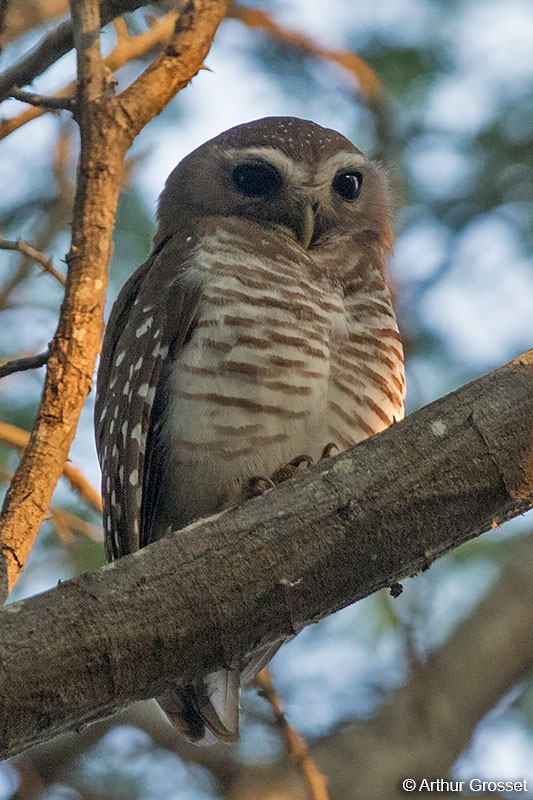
(127, 49)
(19, 438)
(296, 747)
(66, 523)
(121, 29)
(22, 364)
(27, 250)
(39, 100)
(54, 45)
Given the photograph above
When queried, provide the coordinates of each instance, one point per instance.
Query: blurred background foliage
(453, 123)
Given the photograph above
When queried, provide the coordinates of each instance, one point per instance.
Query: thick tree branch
(368, 518)
(170, 72)
(480, 658)
(108, 125)
(77, 339)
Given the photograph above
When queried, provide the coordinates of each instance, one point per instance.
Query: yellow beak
(306, 228)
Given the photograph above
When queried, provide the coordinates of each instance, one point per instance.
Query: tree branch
(170, 72)
(19, 438)
(406, 736)
(19, 19)
(126, 50)
(369, 84)
(108, 125)
(27, 250)
(77, 339)
(40, 101)
(55, 45)
(332, 535)
(91, 74)
(314, 781)
(24, 363)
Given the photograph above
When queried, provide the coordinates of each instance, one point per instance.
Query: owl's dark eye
(256, 180)
(348, 184)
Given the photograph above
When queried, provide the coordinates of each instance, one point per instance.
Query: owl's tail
(205, 710)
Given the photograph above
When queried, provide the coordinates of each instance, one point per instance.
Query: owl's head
(310, 181)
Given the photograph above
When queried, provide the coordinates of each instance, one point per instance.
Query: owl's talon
(327, 452)
(289, 469)
(256, 486)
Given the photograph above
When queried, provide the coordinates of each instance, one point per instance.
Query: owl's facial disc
(287, 175)
(308, 198)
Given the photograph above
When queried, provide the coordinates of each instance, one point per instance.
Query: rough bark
(357, 523)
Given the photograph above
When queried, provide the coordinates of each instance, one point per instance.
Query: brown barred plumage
(261, 327)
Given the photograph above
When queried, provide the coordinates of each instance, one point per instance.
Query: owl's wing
(150, 322)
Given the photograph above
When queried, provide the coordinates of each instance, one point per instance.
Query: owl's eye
(348, 185)
(256, 180)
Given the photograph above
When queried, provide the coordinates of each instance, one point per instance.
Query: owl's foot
(289, 469)
(259, 484)
(256, 486)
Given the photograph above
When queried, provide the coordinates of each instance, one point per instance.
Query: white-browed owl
(261, 327)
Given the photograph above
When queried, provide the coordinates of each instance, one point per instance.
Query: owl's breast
(249, 389)
(267, 373)
(367, 382)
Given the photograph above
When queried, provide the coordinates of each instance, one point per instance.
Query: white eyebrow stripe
(344, 160)
(272, 155)
(299, 172)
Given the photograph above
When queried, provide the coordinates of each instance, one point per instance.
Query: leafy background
(455, 129)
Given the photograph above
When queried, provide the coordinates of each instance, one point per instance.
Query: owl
(261, 327)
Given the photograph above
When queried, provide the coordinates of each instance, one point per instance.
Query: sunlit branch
(27, 250)
(297, 749)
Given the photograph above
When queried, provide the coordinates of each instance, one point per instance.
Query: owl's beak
(306, 223)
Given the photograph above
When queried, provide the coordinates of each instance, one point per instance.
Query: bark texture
(357, 523)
